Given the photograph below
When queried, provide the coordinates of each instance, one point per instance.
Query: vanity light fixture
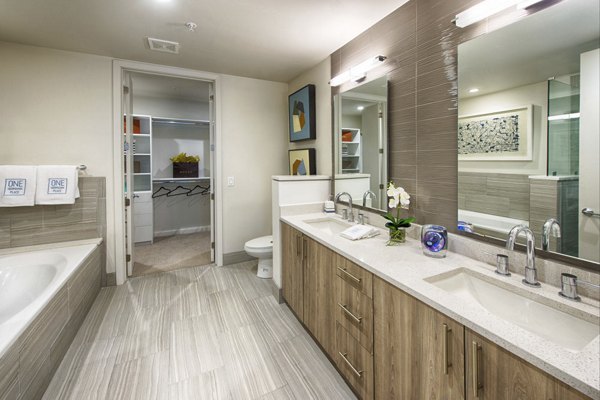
(487, 8)
(357, 72)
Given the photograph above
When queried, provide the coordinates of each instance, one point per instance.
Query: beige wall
(318, 76)
(56, 107)
(254, 144)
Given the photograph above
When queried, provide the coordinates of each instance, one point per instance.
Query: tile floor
(171, 253)
(196, 333)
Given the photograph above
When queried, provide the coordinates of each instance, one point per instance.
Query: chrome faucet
(350, 213)
(551, 226)
(368, 193)
(530, 271)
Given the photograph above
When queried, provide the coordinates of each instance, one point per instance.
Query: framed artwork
(498, 136)
(301, 109)
(302, 162)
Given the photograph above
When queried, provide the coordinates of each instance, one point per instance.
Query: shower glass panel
(563, 125)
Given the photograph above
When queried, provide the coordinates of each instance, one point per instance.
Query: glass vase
(397, 236)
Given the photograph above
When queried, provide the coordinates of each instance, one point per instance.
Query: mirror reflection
(528, 130)
(360, 137)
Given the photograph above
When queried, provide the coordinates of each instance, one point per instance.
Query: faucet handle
(345, 213)
(502, 265)
(568, 286)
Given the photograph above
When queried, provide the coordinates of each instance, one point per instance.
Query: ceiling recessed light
(360, 108)
(474, 90)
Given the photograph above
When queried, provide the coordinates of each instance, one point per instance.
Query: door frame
(119, 199)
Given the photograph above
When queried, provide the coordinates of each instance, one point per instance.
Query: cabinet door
(292, 271)
(318, 292)
(419, 352)
(495, 373)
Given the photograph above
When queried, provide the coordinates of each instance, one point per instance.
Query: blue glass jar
(434, 240)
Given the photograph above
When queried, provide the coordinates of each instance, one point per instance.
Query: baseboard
(277, 292)
(111, 279)
(182, 231)
(236, 257)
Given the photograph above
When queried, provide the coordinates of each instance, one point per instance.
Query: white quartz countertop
(406, 267)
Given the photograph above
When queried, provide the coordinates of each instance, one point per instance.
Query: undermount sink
(568, 331)
(330, 226)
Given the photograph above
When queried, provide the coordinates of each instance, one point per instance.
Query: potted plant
(399, 199)
(185, 166)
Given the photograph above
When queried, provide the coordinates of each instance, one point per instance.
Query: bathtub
(490, 224)
(30, 280)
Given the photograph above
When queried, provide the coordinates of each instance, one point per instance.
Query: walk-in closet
(171, 164)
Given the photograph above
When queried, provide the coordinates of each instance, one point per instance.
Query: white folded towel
(57, 184)
(17, 185)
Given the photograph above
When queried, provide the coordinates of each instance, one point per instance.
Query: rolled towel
(57, 184)
(17, 185)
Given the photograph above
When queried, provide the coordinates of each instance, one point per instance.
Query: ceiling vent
(164, 46)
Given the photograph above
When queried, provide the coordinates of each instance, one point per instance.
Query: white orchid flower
(404, 199)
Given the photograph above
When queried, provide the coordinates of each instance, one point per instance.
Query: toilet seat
(261, 243)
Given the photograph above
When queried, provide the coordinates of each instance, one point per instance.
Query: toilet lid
(260, 243)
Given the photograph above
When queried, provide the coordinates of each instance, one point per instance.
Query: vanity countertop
(406, 267)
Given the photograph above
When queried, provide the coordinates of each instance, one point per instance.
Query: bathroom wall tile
(435, 93)
(9, 365)
(36, 341)
(438, 142)
(4, 230)
(438, 109)
(84, 287)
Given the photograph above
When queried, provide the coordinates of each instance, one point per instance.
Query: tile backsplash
(86, 219)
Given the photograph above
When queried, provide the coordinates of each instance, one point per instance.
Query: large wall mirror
(528, 130)
(360, 143)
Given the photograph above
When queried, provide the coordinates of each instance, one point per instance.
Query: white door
(589, 148)
(127, 108)
(211, 111)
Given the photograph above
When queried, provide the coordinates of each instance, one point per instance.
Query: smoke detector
(164, 46)
(191, 26)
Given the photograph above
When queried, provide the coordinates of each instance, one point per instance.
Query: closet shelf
(178, 121)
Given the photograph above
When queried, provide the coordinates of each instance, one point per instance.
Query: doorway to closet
(168, 165)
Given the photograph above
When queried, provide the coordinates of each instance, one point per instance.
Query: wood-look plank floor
(197, 333)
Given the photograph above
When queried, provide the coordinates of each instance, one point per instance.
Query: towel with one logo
(57, 184)
(17, 185)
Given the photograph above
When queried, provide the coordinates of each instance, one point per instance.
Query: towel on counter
(57, 184)
(17, 185)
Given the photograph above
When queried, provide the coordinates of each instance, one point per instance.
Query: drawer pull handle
(345, 358)
(349, 313)
(447, 364)
(475, 373)
(348, 274)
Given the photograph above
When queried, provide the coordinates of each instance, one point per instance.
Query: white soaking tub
(29, 281)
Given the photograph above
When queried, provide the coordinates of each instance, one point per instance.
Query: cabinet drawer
(354, 275)
(143, 234)
(142, 219)
(142, 198)
(354, 312)
(354, 362)
(143, 208)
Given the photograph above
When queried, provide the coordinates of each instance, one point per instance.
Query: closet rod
(194, 180)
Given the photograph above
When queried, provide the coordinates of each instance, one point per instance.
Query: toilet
(262, 248)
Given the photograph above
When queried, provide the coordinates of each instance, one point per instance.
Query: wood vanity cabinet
(495, 373)
(308, 283)
(419, 352)
(292, 260)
